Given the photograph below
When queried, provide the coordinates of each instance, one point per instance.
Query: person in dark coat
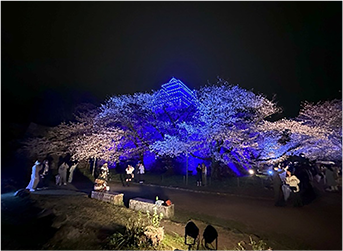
(277, 185)
(46, 174)
(303, 173)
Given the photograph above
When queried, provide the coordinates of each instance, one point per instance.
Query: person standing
(136, 173)
(199, 175)
(277, 186)
(62, 171)
(71, 172)
(141, 171)
(46, 173)
(293, 182)
(101, 181)
(204, 174)
(331, 176)
(104, 172)
(129, 174)
(36, 168)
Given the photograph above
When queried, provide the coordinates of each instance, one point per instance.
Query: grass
(256, 186)
(240, 232)
(182, 216)
(81, 223)
(78, 223)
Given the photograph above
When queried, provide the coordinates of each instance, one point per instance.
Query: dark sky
(55, 55)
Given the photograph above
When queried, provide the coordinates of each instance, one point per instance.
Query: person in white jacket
(292, 181)
(129, 174)
(141, 171)
(62, 171)
(71, 172)
(37, 167)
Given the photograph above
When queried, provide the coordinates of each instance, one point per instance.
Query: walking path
(317, 226)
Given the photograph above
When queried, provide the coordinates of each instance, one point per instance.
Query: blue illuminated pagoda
(174, 94)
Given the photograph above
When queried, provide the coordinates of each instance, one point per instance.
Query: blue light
(173, 97)
(235, 169)
(149, 159)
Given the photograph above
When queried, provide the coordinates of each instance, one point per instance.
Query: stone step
(144, 205)
(110, 197)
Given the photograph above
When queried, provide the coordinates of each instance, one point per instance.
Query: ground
(66, 218)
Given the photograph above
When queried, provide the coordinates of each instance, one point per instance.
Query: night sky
(55, 55)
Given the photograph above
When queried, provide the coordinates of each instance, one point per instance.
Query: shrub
(253, 245)
(142, 232)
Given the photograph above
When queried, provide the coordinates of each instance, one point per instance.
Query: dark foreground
(316, 226)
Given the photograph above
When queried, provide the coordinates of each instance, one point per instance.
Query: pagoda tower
(175, 94)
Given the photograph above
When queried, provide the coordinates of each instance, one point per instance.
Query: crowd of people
(297, 181)
(301, 181)
(41, 174)
(134, 174)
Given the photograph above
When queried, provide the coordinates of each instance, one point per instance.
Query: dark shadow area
(142, 191)
(23, 225)
(81, 182)
(104, 233)
(15, 173)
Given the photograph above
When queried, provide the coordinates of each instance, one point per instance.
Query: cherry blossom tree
(222, 128)
(273, 149)
(131, 113)
(225, 123)
(101, 144)
(82, 139)
(57, 141)
(326, 115)
(138, 117)
(316, 132)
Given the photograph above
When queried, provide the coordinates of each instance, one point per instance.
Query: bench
(144, 205)
(110, 197)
